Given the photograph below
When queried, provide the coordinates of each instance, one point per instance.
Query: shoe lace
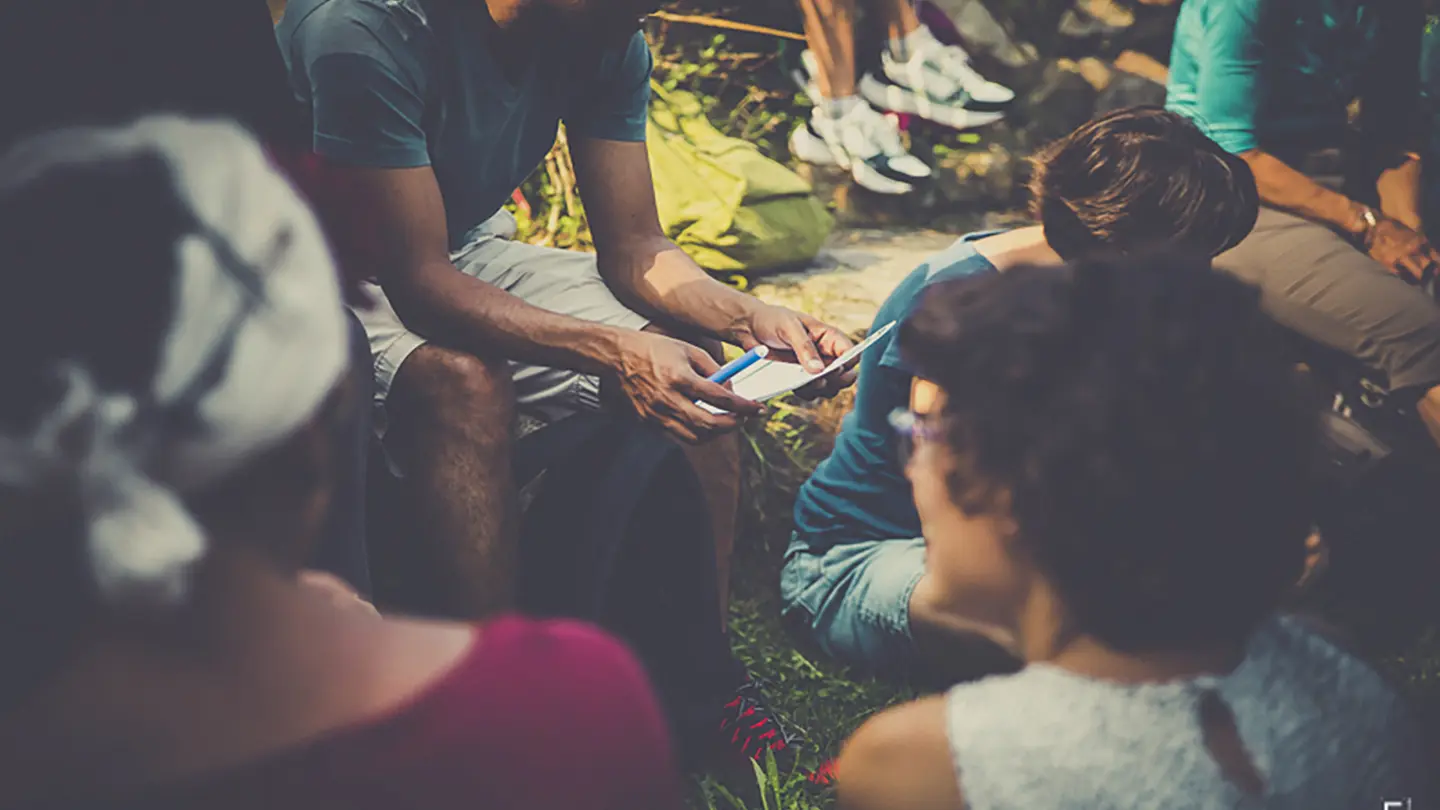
(879, 130)
(952, 64)
(751, 725)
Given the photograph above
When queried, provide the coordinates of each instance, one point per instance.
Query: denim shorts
(854, 600)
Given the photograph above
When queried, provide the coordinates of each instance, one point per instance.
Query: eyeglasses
(910, 428)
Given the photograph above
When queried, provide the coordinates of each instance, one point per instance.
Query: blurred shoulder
(354, 25)
(900, 760)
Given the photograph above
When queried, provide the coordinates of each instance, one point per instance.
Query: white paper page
(768, 379)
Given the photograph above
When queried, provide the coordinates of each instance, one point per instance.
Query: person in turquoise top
(1344, 263)
(431, 113)
(852, 581)
(1271, 71)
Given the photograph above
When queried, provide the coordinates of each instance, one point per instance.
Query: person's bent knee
(853, 603)
(456, 391)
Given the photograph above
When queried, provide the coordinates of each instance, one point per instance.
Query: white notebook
(768, 379)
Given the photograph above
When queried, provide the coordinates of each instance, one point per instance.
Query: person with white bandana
(165, 464)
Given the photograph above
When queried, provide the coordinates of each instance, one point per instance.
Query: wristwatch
(1371, 220)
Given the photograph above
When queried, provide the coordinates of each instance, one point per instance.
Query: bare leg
(830, 33)
(717, 464)
(898, 16)
(451, 420)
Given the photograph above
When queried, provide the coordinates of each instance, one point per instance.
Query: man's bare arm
(650, 273)
(1283, 187)
(1389, 241)
(660, 376)
(449, 306)
(636, 258)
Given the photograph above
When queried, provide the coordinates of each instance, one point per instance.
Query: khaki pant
(1317, 284)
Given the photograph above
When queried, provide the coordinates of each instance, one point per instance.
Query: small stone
(1088, 18)
(1096, 72)
(985, 35)
(984, 177)
(1061, 100)
(1129, 90)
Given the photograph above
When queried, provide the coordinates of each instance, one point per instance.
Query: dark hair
(1141, 178)
(91, 249)
(1137, 420)
(91, 253)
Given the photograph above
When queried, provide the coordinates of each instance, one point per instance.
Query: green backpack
(733, 210)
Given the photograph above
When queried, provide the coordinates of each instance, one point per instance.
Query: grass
(815, 695)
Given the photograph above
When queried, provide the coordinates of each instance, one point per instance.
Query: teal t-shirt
(397, 84)
(1272, 74)
(860, 493)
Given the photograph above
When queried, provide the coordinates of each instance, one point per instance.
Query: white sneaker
(866, 143)
(938, 84)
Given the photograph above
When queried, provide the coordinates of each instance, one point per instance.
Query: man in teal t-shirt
(1340, 250)
(435, 111)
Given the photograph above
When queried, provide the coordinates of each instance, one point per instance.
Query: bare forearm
(1285, 188)
(657, 277)
(1399, 190)
(444, 304)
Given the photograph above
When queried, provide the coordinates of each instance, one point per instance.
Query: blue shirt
(399, 84)
(1271, 74)
(860, 492)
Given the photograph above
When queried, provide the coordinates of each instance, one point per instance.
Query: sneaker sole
(897, 99)
(875, 180)
(811, 148)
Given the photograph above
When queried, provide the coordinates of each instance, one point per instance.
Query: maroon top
(536, 715)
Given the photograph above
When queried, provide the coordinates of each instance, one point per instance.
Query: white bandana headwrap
(256, 341)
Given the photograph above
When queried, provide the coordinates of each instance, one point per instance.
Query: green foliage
(741, 78)
(553, 214)
(772, 791)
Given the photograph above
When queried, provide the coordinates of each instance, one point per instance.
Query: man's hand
(1405, 252)
(813, 343)
(662, 377)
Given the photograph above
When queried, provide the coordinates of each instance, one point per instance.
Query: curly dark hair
(1141, 178)
(1138, 421)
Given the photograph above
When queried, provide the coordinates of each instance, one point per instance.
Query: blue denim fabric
(854, 598)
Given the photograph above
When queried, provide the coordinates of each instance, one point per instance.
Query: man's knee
(720, 456)
(439, 388)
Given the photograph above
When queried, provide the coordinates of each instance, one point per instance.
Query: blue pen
(739, 364)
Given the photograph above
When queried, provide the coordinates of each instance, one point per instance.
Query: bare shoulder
(900, 760)
(436, 642)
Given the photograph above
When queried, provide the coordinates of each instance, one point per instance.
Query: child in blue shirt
(1132, 179)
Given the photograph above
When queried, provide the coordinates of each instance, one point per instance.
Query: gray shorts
(1318, 285)
(563, 281)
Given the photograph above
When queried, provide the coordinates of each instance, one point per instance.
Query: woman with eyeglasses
(852, 577)
(1115, 476)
